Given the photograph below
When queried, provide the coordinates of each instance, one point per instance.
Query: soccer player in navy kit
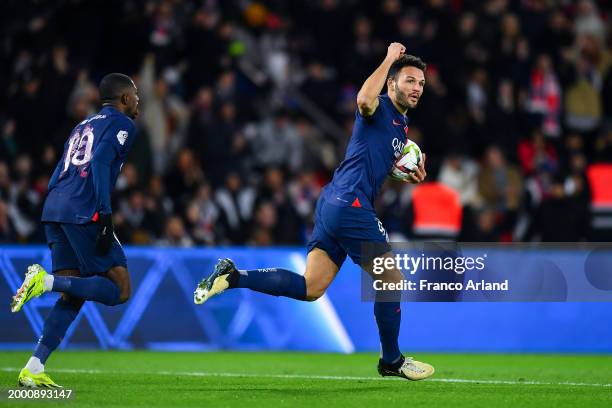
(345, 217)
(87, 259)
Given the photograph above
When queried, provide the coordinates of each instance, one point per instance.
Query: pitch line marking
(311, 377)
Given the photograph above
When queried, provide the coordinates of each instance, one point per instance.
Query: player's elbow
(365, 105)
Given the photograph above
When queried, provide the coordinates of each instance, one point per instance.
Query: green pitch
(222, 379)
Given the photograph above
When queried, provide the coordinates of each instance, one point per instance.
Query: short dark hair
(113, 86)
(405, 61)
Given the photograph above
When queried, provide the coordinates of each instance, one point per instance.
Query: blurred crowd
(247, 107)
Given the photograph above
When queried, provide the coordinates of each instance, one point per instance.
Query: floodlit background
(247, 106)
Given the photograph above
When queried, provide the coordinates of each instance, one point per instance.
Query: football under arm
(101, 169)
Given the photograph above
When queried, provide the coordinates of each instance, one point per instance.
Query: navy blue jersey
(85, 176)
(376, 143)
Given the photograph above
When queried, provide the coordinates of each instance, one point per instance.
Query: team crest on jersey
(122, 137)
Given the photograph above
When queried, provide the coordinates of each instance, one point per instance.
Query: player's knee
(310, 298)
(124, 295)
(73, 301)
(120, 277)
(314, 291)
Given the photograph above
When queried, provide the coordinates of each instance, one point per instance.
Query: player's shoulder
(108, 115)
(121, 125)
(384, 102)
(121, 120)
(380, 110)
(116, 128)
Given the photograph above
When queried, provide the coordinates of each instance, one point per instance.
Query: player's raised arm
(367, 98)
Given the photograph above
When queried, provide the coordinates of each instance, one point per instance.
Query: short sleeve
(120, 134)
(375, 116)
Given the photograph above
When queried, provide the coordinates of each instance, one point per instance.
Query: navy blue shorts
(347, 230)
(73, 246)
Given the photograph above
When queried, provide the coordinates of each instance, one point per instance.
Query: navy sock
(56, 325)
(96, 288)
(273, 281)
(388, 318)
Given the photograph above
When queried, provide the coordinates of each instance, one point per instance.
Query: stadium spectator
(275, 142)
(202, 214)
(163, 114)
(7, 231)
(537, 153)
(183, 181)
(499, 183)
(135, 218)
(175, 234)
(235, 202)
(9, 145)
(460, 173)
(545, 96)
(288, 227)
(483, 227)
(159, 206)
(265, 221)
(583, 105)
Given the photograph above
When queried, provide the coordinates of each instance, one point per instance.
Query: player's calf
(110, 289)
(272, 281)
(320, 273)
(121, 277)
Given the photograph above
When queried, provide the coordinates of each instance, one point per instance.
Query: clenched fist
(395, 51)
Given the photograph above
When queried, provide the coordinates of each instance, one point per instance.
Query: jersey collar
(110, 108)
(400, 116)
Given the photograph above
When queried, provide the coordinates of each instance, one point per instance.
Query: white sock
(35, 366)
(48, 282)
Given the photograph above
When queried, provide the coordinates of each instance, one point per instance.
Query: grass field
(223, 379)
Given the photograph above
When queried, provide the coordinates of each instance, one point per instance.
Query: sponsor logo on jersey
(398, 147)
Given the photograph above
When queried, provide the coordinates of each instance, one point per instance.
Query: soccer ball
(407, 163)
